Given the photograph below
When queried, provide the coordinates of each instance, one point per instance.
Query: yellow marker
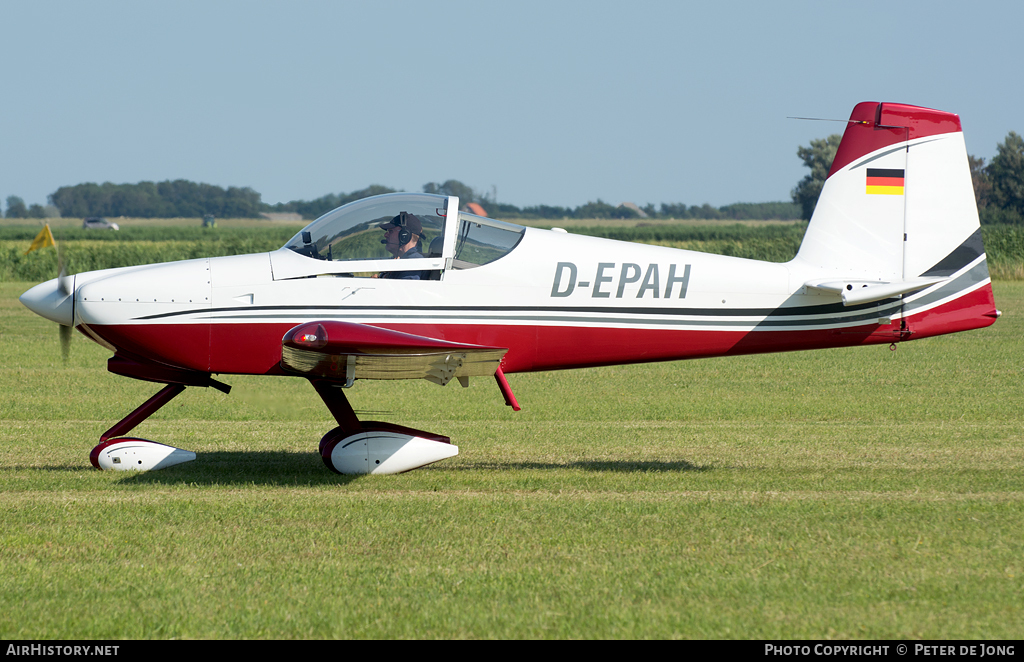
(42, 240)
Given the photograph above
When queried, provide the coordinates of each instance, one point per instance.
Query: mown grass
(855, 493)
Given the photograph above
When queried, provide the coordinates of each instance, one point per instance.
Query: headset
(404, 235)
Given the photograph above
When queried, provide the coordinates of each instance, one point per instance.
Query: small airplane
(892, 253)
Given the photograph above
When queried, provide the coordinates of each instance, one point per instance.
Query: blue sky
(549, 102)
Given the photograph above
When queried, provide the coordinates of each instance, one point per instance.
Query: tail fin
(897, 217)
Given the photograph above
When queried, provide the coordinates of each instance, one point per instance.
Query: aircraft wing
(346, 351)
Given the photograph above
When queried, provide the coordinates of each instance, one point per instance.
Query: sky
(537, 102)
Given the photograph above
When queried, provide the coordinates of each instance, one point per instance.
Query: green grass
(854, 493)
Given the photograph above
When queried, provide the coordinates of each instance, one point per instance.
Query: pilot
(402, 237)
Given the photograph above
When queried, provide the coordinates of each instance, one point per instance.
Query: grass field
(856, 493)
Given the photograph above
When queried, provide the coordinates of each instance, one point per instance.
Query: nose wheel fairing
(134, 454)
(118, 453)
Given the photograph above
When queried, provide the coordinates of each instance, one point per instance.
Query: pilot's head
(402, 233)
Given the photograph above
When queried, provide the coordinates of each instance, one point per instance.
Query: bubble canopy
(350, 240)
(353, 231)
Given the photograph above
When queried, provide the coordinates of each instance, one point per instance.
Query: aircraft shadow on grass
(287, 468)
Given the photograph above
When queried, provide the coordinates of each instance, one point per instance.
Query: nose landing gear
(133, 454)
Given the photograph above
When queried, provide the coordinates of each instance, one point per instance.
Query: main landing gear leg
(373, 447)
(131, 453)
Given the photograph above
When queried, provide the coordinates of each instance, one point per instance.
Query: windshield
(354, 232)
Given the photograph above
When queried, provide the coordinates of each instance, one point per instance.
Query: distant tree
(452, 187)
(818, 157)
(500, 209)
(77, 201)
(674, 210)
(681, 210)
(369, 191)
(160, 200)
(705, 211)
(980, 179)
(310, 209)
(1006, 172)
(763, 211)
(601, 209)
(16, 207)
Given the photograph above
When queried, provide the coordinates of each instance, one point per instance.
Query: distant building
(474, 208)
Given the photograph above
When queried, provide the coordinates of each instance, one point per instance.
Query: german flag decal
(885, 181)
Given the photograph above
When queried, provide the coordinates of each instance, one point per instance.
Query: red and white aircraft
(892, 253)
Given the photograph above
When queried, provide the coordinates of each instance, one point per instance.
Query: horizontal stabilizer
(856, 291)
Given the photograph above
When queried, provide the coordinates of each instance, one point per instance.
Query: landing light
(313, 336)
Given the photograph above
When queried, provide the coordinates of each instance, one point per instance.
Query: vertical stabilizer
(898, 206)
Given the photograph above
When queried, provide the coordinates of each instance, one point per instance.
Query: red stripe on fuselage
(255, 348)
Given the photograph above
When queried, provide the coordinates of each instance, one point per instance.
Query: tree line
(179, 198)
(998, 189)
(16, 209)
(185, 199)
(998, 186)
(170, 199)
(601, 209)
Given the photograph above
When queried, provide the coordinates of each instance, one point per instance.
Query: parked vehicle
(97, 223)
